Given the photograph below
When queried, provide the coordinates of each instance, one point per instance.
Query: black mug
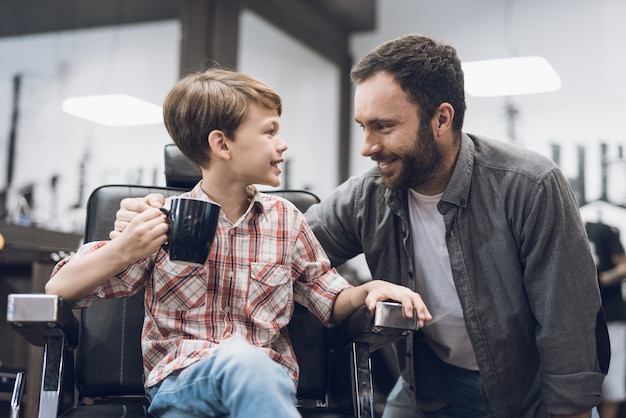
(193, 223)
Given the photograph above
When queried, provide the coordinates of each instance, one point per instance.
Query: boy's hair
(215, 99)
(428, 71)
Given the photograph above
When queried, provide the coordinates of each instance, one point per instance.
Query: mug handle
(168, 216)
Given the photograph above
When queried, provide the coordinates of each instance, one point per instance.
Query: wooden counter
(26, 262)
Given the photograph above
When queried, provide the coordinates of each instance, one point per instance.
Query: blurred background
(51, 160)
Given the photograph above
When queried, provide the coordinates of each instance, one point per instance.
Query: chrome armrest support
(362, 333)
(18, 394)
(47, 321)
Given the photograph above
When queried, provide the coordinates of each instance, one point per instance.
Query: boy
(214, 339)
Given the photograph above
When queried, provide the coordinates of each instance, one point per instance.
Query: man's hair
(215, 99)
(427, 70)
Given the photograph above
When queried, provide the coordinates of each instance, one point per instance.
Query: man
(610, 258)
(489, 235)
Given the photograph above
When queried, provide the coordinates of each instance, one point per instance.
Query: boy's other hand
(130, 207)
(412, 303)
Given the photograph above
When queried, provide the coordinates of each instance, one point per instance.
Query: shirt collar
(257, 203)
(457, 190)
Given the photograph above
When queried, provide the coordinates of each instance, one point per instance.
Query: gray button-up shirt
(521, 265)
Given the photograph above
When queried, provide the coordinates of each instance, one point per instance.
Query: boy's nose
(281, 145)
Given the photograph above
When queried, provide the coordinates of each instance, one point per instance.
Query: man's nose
(370, 145)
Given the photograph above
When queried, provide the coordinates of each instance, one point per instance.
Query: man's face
(394, 135)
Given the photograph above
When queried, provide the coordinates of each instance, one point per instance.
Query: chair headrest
(179, 171)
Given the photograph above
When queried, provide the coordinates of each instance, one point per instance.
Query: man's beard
(419, 165)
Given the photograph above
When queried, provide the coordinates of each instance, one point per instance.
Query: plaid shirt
(257, 267)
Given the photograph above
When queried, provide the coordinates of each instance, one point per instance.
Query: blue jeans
(467, 390)
(239, 380)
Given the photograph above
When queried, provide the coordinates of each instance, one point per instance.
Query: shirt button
(226, 309)
(231, 274)
(231, 232)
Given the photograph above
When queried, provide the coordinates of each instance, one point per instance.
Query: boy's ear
(219, 144)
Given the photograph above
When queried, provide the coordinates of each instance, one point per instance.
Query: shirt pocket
(270, 295)
(179, 287)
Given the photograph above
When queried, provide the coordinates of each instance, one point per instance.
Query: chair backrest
(108, 359)
(179, 171)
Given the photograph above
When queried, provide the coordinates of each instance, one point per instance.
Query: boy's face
(257, 149)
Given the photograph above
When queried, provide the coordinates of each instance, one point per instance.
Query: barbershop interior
(60, 140)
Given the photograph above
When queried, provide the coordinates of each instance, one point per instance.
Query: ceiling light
(510, 77)
(114, 110)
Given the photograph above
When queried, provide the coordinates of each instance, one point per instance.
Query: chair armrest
(39, 316)
(386, 325)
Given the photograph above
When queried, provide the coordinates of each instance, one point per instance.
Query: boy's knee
(240, 354)
(245, 361)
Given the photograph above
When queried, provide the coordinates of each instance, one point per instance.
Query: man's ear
(442, 121)
(219, 144)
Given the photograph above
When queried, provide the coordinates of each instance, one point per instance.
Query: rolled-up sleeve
(318, 284)
(127, 282)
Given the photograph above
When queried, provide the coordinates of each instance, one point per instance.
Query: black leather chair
(92, 367)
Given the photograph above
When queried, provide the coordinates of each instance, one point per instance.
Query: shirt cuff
(572, 393)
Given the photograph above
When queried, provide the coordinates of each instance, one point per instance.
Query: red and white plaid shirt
(257, 267)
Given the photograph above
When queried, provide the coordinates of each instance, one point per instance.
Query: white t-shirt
(446, 333)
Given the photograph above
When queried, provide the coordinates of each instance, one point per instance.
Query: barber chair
(92, 367)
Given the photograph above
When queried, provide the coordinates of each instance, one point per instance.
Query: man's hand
(130, 207)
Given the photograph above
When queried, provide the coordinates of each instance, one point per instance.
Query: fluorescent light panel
(114, 110)
(510, 77)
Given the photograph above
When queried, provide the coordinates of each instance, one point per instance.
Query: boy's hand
(412, 303)
(131, 207)
(143, 235)
(375, 291)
